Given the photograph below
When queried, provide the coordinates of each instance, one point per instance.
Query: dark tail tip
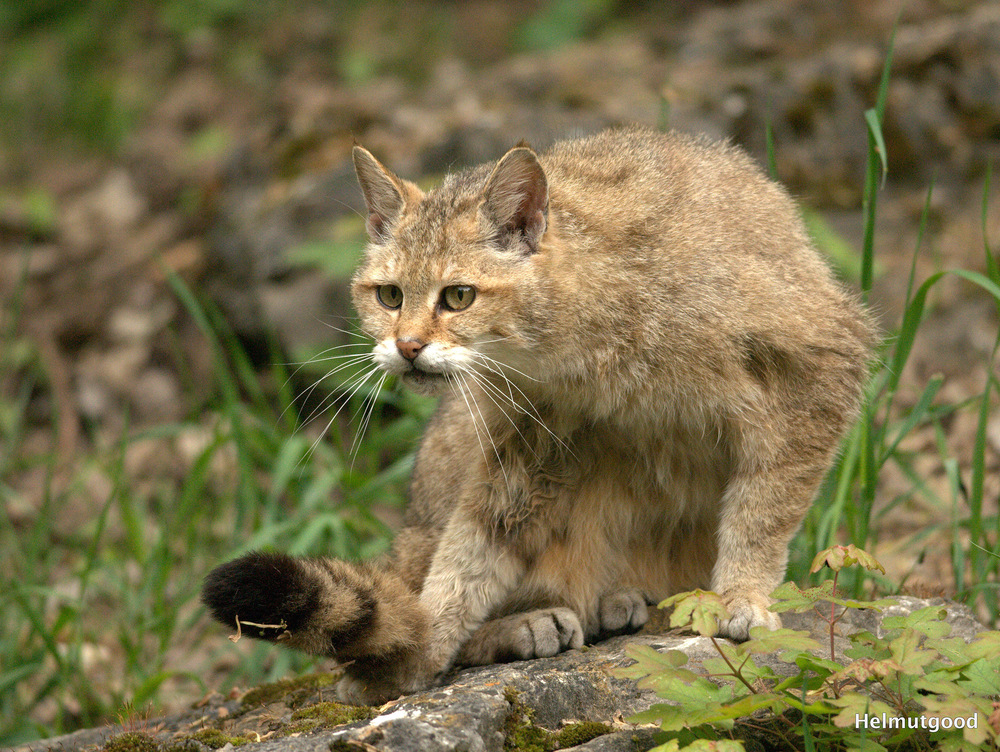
(263, 588)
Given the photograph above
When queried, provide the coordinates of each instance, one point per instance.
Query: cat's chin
(425, 383)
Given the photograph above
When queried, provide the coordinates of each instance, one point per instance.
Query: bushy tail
(361, 614)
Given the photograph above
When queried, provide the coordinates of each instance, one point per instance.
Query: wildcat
(645, 369)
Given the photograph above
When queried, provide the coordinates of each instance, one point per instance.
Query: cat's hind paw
(622, 611)
(381, 686)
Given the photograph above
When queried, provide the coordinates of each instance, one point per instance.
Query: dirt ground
(239, 160)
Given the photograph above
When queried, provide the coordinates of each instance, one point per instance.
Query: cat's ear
(385, 194)
(516, 196)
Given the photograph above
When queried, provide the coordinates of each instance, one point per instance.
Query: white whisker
(487, 387)
(333, 371)
(531, 411)
(475, 425)
(487, 359)
(348, 332)
(486, 428)
(320, 356)
(371, 399)
(344, 399)
(314, 359)
(490, 341)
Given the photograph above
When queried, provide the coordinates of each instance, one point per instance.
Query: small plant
(911, 687)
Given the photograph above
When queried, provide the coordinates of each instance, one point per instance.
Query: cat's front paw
(746, 612)
(622, 611)
(534, 634)
(546, 632)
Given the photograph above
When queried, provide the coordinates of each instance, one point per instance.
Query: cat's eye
(458, 297)
(389, 295)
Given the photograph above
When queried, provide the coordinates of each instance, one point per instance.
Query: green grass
(124, 583)
(846, 510)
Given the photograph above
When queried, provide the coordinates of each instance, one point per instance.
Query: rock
(575, 696)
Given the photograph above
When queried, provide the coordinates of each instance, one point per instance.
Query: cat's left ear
(516, 196)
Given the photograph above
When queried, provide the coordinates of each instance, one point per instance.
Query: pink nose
(409, 348)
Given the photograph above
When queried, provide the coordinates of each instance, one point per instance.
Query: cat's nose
(409, 348)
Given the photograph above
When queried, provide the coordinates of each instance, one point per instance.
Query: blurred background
(179, 218)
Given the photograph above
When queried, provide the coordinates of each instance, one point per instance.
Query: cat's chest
(670, 465)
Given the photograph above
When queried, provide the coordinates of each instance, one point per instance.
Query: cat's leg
(472, 573)
(518, 637)
(764, 503)
(753, 551)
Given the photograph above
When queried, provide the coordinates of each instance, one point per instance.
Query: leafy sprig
(913, 672)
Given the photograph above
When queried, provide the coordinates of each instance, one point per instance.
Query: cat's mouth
(424, 381)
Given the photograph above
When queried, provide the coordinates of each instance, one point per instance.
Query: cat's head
(449, 287)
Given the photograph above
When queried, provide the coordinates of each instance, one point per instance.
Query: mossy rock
(218, 739)
(132, 741)
(522, 734)
(136, 741)
(580, 733)
(327, 715)
(293, 692)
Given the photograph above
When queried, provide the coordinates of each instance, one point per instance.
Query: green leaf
(790, 597)
(863, 744)
(957, 744)
(749, 670)
(672, 745)
(677, 717)
(714, 745)
(854, 705)
(700, 610)
(838, 557)
(962, 707)
(906, 650)
(661, 714)
(692, 694)
(841, 253)
(982, 677)
(649, 661)
(955, 649)
(984, 645)
(875, 129)
(942, 682)
(823, 667)
(867, 645)
(878, 604)
(929, 621)
(764, 640)
(752, 703)
(865, 669)
(916, 414)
